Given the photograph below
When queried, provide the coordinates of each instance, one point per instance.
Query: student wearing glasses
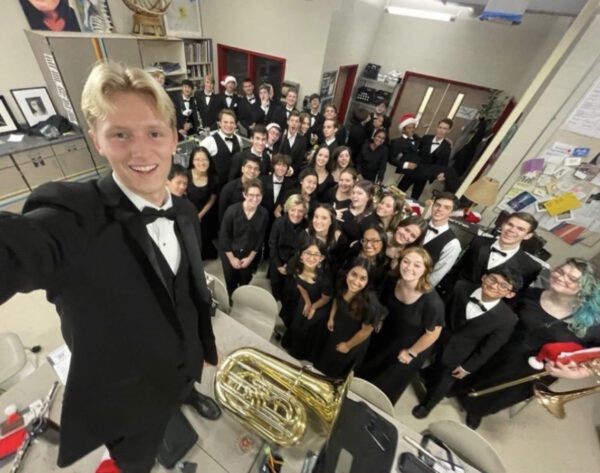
(242, 236)
(568, 310)
(479, 323)
(372, 248)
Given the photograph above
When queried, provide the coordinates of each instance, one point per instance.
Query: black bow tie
(434, 230)
(229, 138)
(478, 303)
(496, 250)
(229, 96)
(149, 214)
(277, 183)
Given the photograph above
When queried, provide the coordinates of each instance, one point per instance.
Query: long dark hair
(360, 302)
(381, 257)
(330, 240)
(411, 220)
(296, 265)
(368, 188)
(328, 166)
(36, 17)
(210, 174)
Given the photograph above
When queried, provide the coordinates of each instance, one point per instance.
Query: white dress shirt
(496, 259)
(473, 310)
(211, 145)
(291, 139)
(435, 144)
(207, 97)
(162, 230)
(276, 187)
(448, 256)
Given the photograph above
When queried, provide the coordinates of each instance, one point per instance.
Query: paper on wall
(562, 148)
(585, 119)
(562, 203)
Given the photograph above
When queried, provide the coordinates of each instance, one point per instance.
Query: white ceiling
(558, 7)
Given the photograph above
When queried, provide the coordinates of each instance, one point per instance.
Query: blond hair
(293, 200)
(423, 285)
(109, 78)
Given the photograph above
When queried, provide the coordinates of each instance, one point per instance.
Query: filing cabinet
(38, 166)
(73, 157)
(11, 180)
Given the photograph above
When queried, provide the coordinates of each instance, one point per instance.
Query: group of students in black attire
(372, 287)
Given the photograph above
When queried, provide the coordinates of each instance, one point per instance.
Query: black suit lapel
(482, 260)
(124, 212)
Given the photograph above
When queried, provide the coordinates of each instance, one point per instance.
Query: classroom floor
(531, 442)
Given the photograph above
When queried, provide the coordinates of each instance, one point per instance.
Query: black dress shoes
(473, 421)
(420, 411)
(205, 406)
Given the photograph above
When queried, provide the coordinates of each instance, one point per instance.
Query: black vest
(180, 289)
(434, 247)
(222, 160)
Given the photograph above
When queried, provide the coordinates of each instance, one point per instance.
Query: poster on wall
(56, 15)
(95, 16)
(328, 86)
(183, 18)
(585, 119)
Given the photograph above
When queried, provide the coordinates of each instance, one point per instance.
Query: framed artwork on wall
(34, 103)
(50, 16)
(183, 19)
(8, 123)
(94, 16)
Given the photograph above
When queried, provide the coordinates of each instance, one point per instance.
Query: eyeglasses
(312, 255)
(366, 241)
(493, 281)
(570, 280)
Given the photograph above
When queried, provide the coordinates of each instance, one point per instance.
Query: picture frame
(182, 19)
(34, 103)
(8, 124)
(94, 16)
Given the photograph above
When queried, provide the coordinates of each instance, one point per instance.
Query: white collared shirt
(496, 259)
(435, 144)
(473, 310)
(448, 256)
(276, 188)
(211, 145)
(431, 235)
(328, 142)
(292, 139)
(162, 230)
(207, 97)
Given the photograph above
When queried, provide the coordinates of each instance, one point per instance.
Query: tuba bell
(270, 396)
(554, 402)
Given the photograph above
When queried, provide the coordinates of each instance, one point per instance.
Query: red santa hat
(407, 119)
(563, 352)
(228, 79)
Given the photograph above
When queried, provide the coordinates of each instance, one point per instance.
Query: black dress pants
(441, 387)
(235, 278)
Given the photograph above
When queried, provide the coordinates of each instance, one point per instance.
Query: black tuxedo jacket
(473, 263)
(208, 113)
(235, 100)
(470, 343)
(275, 114)
(440, 156)
(85, 244)
(248, 113)
(297, 152)
(404, 150)
(179, 107)
(268, 200)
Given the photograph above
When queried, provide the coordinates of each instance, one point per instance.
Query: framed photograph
(183, 19)
(8, 124)
(564, 217)
(94, 16)
(63, 17)
(34, 103)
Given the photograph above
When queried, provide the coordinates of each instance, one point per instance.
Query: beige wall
(469, 50)
(352, 31)
(17, 63)
(296, 30)
(541, 127)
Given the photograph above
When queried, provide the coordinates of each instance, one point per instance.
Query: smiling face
(409, 130)
(442, 130)
(321, 220)
(250, 170)
(412, 267)
(386, 207)
(186, 90)
(208, 84)
(227, 124)
(407, 235)
(280, 169)
(441, 211)
(137, 143)
(311, 257)
(329, 129)
(343, 159)
(296, 213)
(252, 198)
(291, 98)
(248, 88)
(495, 286)
(345, 182)
(372, 244)
(322, 157)
(178, 185)
(357, 279)
(378, 139)
(230, 87)
(273, 135)
(377, 121)
(565, 279)
(305, 125)
(309, 184)
(359, 197)
(514, 231)
(259, 141)
(201, 162)
(329, 113)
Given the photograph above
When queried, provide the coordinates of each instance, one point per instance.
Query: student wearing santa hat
(229, 98)
(404, 151)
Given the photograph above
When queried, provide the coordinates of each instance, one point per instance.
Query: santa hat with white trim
(407, 119)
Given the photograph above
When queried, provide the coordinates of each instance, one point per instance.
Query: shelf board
(180, 72)
(197, 63)
(379, 82)
(172, 89)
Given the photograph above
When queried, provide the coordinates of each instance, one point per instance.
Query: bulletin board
(560, 184)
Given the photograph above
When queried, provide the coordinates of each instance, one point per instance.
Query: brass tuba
(555, 402)
(270, 395)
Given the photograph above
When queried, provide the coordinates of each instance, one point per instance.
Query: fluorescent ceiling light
(426, 14)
